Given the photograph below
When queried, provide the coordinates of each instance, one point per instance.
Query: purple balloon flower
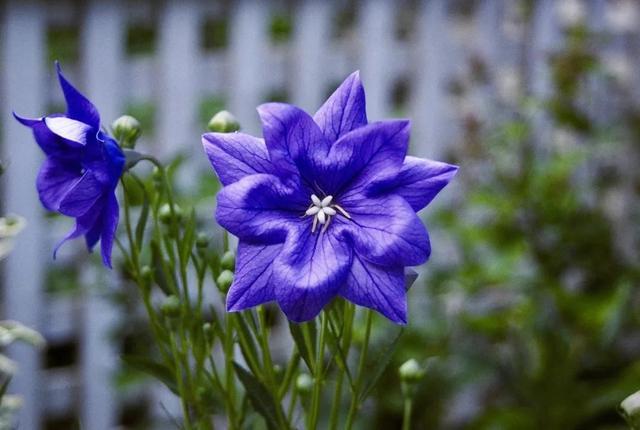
(324, 206)
(81, 171)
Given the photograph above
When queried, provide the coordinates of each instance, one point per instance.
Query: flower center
(322, 211)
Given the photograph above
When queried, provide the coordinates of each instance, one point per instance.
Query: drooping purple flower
(324, 206)
(81, 171)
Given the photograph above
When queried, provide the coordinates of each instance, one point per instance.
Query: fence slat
(376, 50)
(247, 58)
(23, 82)
(102, 67)
(178, 52)
(312, 33)
(430, 108)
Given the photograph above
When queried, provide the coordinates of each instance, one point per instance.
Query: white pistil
(322, 211)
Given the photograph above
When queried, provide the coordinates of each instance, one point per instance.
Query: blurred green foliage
(532, 324)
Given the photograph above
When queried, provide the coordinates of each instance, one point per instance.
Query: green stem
(270, 378)
(318, 373)
(355, 399)
(335, 405)
(406, 419)
(229, 371)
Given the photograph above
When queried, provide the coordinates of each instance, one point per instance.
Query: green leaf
(158, 265)
(142, 221)
(260, 397)
(382, 360)
(247, 344)
(305, 343)
(189, 238)
(334, 338)
(158, 370)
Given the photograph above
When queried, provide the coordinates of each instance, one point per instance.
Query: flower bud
(304, 383)
(207, 328)
(224, 281)
(126, 130)
(223, 122)
(630, 410)
(228, 261)
(171, 306)
(165, 213)
(202, 240)
(146, 274)
(411, 372)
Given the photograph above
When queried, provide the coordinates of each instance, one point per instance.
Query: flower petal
(50, 143)
(376, 150)
(84, 224)
(419, 181)
(386, 231)
(236, 155)
(309, 271)
(295, 143)
(55, 179)
(252, 282)
(74, 132)
(259, 207)
(110, 219)
(81, 197)
(78, 106)
(379, 288)
(344, 110)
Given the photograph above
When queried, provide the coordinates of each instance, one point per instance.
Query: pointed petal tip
(28, 122)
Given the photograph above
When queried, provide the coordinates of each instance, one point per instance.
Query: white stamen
(326, 226)
(312, 210)
(321, 217)
(329, 211)
(322, 211)
(342, 211)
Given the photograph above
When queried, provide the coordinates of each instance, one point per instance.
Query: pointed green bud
(411, 371)
(146, 274)
(170, 307)
(228, 261)
(224, 281)
(223, 122)
(630, 410)
(202, 240)
(304, 383)
(165, 213)
(126, 130)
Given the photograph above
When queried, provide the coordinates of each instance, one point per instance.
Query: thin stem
(318, 373)
(355, 399)
(335, 405)
(406, 418)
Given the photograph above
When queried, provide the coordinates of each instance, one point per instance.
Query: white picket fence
(438, 46)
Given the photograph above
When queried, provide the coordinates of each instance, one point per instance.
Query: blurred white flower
(619, 67)
(622, 15)
(571, 12)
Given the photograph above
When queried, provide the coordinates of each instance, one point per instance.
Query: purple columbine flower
(81, 171)
(324, 206)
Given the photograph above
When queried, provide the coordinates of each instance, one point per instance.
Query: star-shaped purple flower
(324, 206)
(81, 171)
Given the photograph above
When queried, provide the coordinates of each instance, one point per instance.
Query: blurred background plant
(526, 317)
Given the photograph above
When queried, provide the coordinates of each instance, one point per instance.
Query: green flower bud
(207, 328)
(146, 273)
(228, 261)
(171, 306)
(165, 213)
(411, 372)
(224, 281)
(304, 383)
(630, 410)
(223, 122)
(202, 240)
(126, 130)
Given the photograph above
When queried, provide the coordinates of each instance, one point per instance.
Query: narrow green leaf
(247, 341)
(260, 397)
(305, 344)
(189, 238)
(158, 370)
(142, 221)
(158, 264)
(334, 338)
(382, 360)
(4, 386)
